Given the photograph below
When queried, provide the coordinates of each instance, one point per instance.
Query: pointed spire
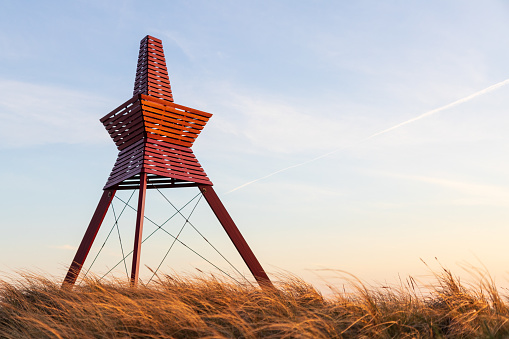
(151, 75)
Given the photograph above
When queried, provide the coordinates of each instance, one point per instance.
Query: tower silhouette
(154, 137)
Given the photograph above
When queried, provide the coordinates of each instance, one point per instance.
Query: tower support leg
(89, 237)
(139, 230)
(236, 237)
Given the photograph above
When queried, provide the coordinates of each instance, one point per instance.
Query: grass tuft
(207, 307)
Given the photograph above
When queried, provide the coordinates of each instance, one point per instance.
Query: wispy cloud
(173, 37)
(384, 131)
(33, 114)
(269, 124)
(443, 108)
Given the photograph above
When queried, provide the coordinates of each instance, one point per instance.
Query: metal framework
(154, 138)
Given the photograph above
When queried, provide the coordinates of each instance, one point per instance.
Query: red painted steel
(152, 74)
(154, 137)
(236, 237)
(153, 134)
(135, 269)
(160, 158)
(88, 238)
(143, 116)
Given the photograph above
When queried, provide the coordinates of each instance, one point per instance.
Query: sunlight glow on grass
(179, 307)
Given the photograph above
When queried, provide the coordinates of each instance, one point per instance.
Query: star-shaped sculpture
(153, 134)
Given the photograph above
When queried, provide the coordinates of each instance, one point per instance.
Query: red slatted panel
(153, 134)
(152, 75)
(172, 161)
(125, 123)
(176, 124)
(157, 157)
(179, 107)
(129, 163)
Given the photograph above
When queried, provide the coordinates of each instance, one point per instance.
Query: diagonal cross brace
(235, 236)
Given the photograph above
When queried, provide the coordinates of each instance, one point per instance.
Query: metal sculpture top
(153, 134)
(152, 75)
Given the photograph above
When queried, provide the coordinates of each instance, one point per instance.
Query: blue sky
(287, 82)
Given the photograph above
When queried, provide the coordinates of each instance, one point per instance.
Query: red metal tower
(154, 136)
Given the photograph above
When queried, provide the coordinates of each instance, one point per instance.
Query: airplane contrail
(401, 124)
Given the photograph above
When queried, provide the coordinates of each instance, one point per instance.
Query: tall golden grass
(206, 307)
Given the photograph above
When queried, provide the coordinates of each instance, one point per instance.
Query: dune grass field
(33, 306)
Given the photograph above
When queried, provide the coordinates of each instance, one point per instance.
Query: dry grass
(35, 307)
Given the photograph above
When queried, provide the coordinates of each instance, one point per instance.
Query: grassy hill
(198, 307)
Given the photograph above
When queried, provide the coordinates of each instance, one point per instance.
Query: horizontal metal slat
(175, 170)
(181, 135)
(172, 161)
(174, 116)
(124, 144)
(119, 108)
(188, 158)
(188, 116)
(169, 138)
(177, 106)
(205, 181)
(138, 129)
(124, 114)
(169, 146)
(166, 119)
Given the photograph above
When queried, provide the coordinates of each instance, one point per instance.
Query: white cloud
(32, 114)
(282, 127)
(172, 37)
